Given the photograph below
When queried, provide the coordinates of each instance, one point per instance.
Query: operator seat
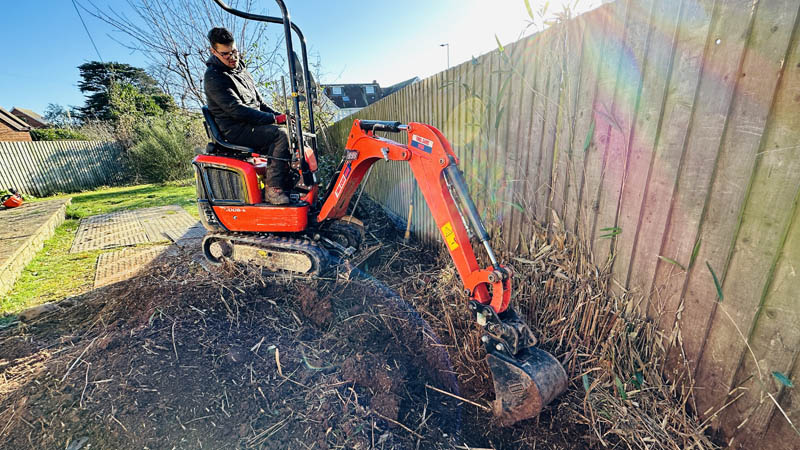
(218, 144)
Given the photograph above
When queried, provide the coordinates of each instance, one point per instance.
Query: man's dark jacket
(233, 99)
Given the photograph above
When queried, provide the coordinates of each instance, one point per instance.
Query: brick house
(13, 129)
(31, 118)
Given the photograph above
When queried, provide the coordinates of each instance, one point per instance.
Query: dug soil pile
(186, 357)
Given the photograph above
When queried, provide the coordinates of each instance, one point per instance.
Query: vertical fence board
(536, 133)
(504, 155)
(90, 158)
(541, 110)
(721, 63)
(549, 137)
(518, 138)
(596, 24)
(646, 127)
(493, 169)
(13, 168)
(21, 165)
(528, 114)
(573, 55)
(765, 55)
(478, 184)
(39, 176)
(626, 110)
(80, 162)
(620, 116)
(670, 147)
(763, 239)
(26, 166)
(780, 435)
(601, 108)
(61, 162)
(8, 177)
(513, 155)
(51, 179)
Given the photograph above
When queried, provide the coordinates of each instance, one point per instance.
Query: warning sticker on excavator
(449, 236)
(426, 145)
(340, 187)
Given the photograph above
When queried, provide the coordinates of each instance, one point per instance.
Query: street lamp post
(447, 44)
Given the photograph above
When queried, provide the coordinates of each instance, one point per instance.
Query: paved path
(23, 231)
(132, 227)
(129, 229)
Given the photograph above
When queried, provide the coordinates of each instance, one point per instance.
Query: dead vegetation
(618, 396)
(181, 357)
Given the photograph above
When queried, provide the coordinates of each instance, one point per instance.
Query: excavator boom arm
(434, 165)
(525, 377)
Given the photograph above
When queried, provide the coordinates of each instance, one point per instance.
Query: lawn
(55, 273)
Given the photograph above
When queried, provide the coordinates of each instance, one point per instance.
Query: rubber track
(320, 258)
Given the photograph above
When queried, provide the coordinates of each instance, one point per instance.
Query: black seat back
(216, 136)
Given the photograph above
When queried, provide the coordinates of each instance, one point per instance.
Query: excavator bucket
(524, 384)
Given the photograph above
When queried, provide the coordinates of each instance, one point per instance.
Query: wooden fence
(665, 134)
(45, 167)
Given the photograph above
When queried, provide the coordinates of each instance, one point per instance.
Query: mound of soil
(186, 357)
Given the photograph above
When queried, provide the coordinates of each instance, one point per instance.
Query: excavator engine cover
(524, 384)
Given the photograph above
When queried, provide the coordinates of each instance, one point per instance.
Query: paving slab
(23, 231)
(182, 237)
(119, 265)
(167, 219)
(131, 227)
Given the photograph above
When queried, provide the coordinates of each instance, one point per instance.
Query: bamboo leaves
(783, 379)
(716, 282)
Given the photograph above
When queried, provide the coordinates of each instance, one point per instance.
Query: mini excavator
(305, 236)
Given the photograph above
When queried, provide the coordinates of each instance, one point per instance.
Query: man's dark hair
(220, 36)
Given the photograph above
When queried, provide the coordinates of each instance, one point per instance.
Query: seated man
(242, 116)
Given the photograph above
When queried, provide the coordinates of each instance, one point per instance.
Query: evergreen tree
(102, 81)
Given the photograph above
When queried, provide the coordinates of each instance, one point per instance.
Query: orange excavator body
(300, 237)
(231, 205)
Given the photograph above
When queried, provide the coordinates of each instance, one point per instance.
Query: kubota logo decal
(449, 236)
(340, 187)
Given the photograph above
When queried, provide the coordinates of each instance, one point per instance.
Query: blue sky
(356, 40)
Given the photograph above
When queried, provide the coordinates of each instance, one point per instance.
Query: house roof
(353, 95)
(13, 122)
(30, 113)
(358, 95)
(32, 116)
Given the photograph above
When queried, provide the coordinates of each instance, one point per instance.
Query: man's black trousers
(270, 140)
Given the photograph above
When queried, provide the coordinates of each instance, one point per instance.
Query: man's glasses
(227, 55)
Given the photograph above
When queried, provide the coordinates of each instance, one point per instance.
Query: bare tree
(172, 35)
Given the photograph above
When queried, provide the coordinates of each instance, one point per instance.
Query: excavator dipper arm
(525, 378)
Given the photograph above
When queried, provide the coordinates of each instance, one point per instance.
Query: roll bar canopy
(288, 26)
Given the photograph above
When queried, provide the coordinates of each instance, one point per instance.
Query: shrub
(57, 134)
(164, 147)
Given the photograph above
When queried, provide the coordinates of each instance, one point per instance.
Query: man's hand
(280, 118)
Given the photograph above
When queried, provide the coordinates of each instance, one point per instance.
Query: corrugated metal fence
(665, 134)
(45, 167)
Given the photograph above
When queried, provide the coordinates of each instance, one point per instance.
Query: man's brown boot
(276, 196)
